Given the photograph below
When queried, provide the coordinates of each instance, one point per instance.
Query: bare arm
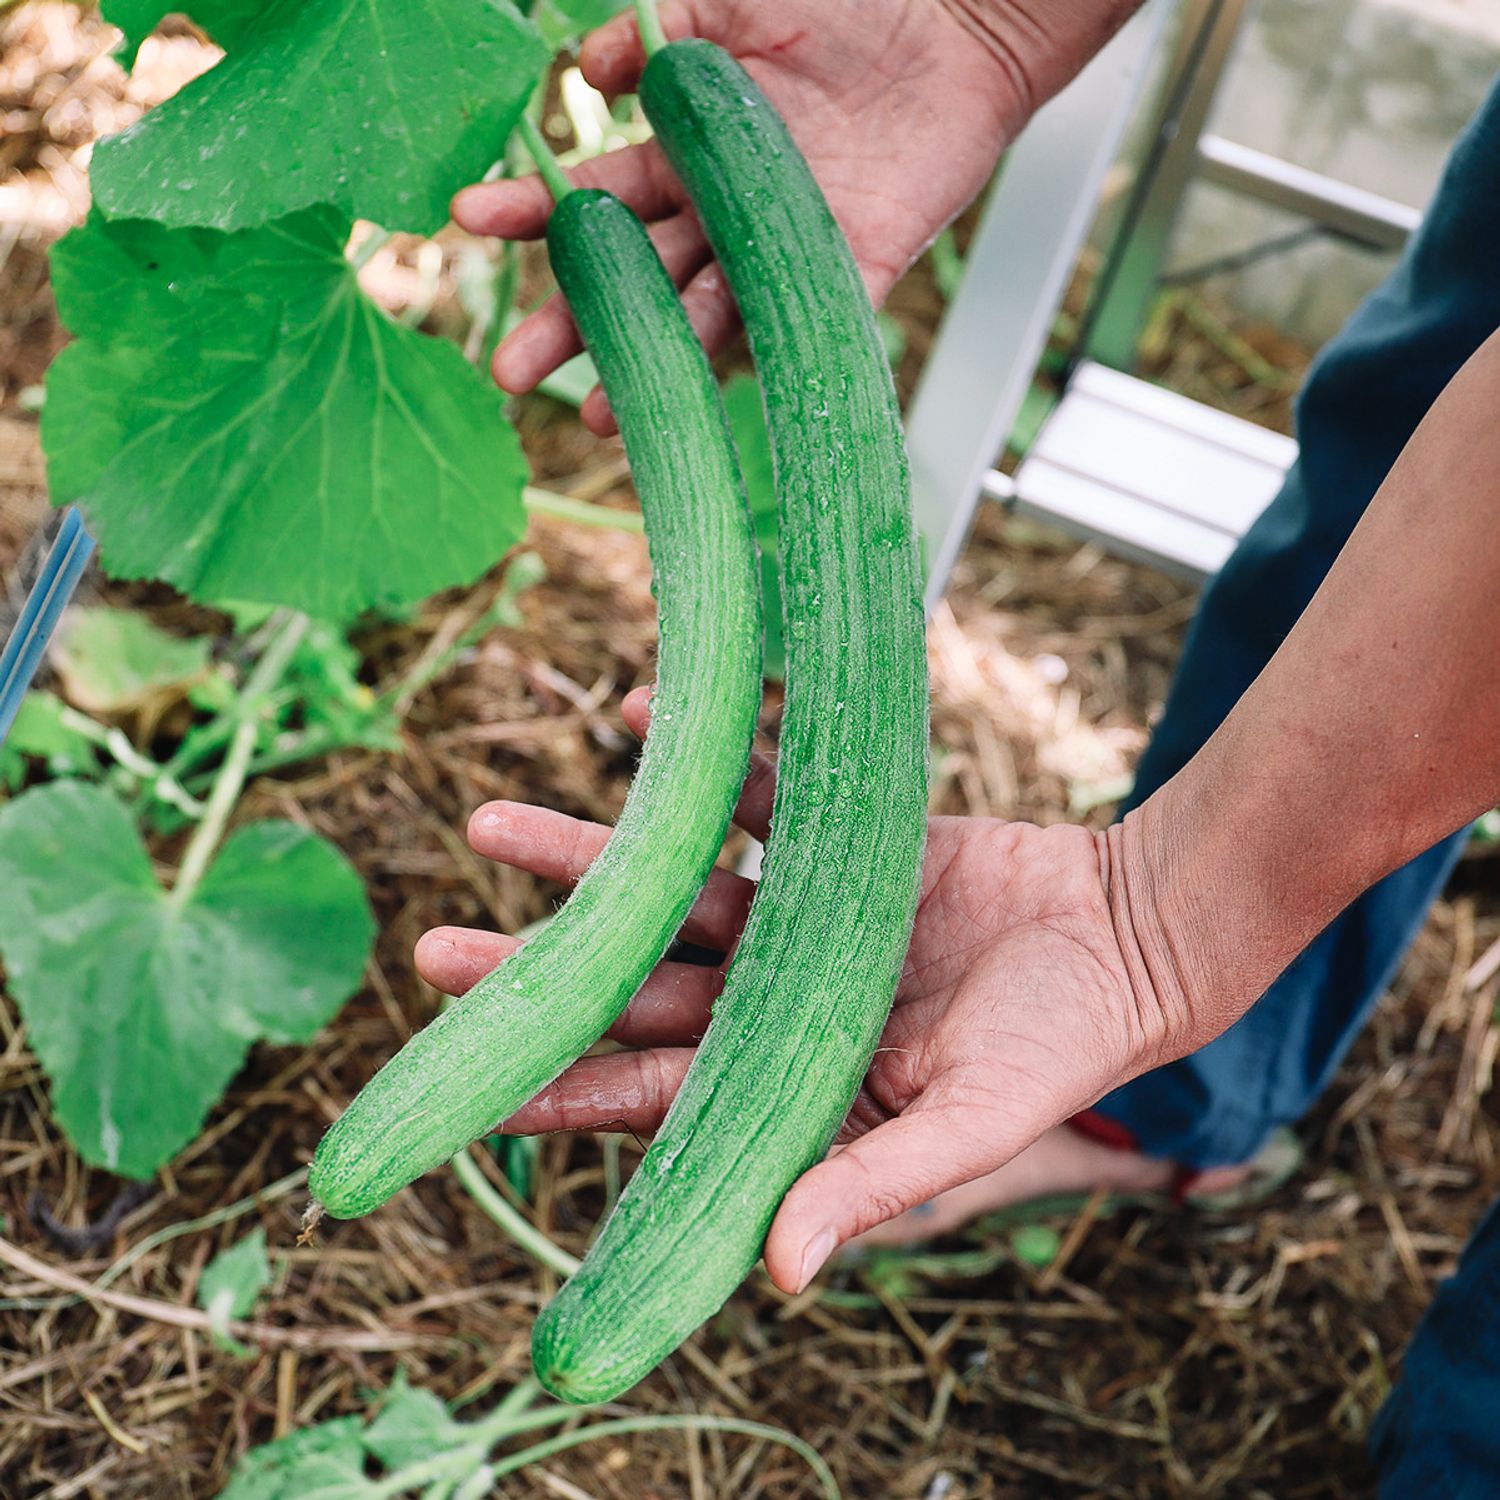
(1373, 732)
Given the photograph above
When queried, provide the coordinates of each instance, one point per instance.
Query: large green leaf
(238, 418)
(383, 107)
(141, 1010)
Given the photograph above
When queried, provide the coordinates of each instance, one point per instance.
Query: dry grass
(1173, 1354)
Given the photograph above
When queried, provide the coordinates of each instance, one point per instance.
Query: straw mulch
(1161, 1353)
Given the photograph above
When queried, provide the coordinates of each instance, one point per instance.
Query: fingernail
(818, 1251)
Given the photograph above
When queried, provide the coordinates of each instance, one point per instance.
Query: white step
(1147, 473)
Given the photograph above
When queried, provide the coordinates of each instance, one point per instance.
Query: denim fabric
(1438, 1436)
(1364, 396)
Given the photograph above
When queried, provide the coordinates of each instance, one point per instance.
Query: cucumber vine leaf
(114, 660)
(229, 1287)
(562, 22)
(141, 1008)
(225, 21)
(383, 108)
(42, 732)
(238, 418)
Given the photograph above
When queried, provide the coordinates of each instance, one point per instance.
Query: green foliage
(112, 660)
(239, 419)
(747, 421)
(226, 21)
(41, 732)
(235, 1277)
(892, 338)
(329, 1461)
(328, 697)
(325, 1462)
(382, 109)
(425, 1452)
(141, 1007)
(947, 264)
(230, 1284)
(413, 1424)
(1035, 1245)
(562, 22)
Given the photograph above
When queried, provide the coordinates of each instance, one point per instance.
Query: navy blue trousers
(1439, 1435)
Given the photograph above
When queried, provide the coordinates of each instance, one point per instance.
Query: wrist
(1136, 869)
(1204, 923)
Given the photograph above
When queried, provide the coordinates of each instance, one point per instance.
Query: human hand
(1032, 987)
(902, 109)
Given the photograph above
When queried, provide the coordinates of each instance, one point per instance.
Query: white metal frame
(1150, 474)
(996, 326)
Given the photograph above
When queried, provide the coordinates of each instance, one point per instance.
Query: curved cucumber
(521, 1025)
(816, 969)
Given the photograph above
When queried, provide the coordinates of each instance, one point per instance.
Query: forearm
(1039, 45)
(1373, 732)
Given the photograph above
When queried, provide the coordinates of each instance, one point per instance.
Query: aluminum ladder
(1145, 472)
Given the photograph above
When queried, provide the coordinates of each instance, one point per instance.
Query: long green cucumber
(522, 1024)
(815, 971)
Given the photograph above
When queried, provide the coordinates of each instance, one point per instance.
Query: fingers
(612, 56)
(556, 847)
(624, 1091)
(517, 208)
(455, 959)
(753, 813)
(711, 309)
(899, 1164)
(672, 1008)
(535, 347)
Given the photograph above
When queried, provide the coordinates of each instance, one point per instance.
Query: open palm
(901, 110)
(1023, 1000)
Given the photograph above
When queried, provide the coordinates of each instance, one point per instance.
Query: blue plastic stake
(39, 615)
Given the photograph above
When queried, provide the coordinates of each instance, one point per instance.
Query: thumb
(894, 1167)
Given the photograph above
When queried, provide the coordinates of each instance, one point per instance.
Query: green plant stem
(584, 512)
(180, 771)
(626, 1425)
(278, 1189)
(648, 22)
(230, 780)
(546, 161)
(519, 1396)
(114, 743)
(109, 739)
(188, 757)
(305, 747)
(458, 1463)
(515, 1224)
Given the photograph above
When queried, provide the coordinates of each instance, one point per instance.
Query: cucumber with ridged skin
(815, 971)
(521, 1025)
